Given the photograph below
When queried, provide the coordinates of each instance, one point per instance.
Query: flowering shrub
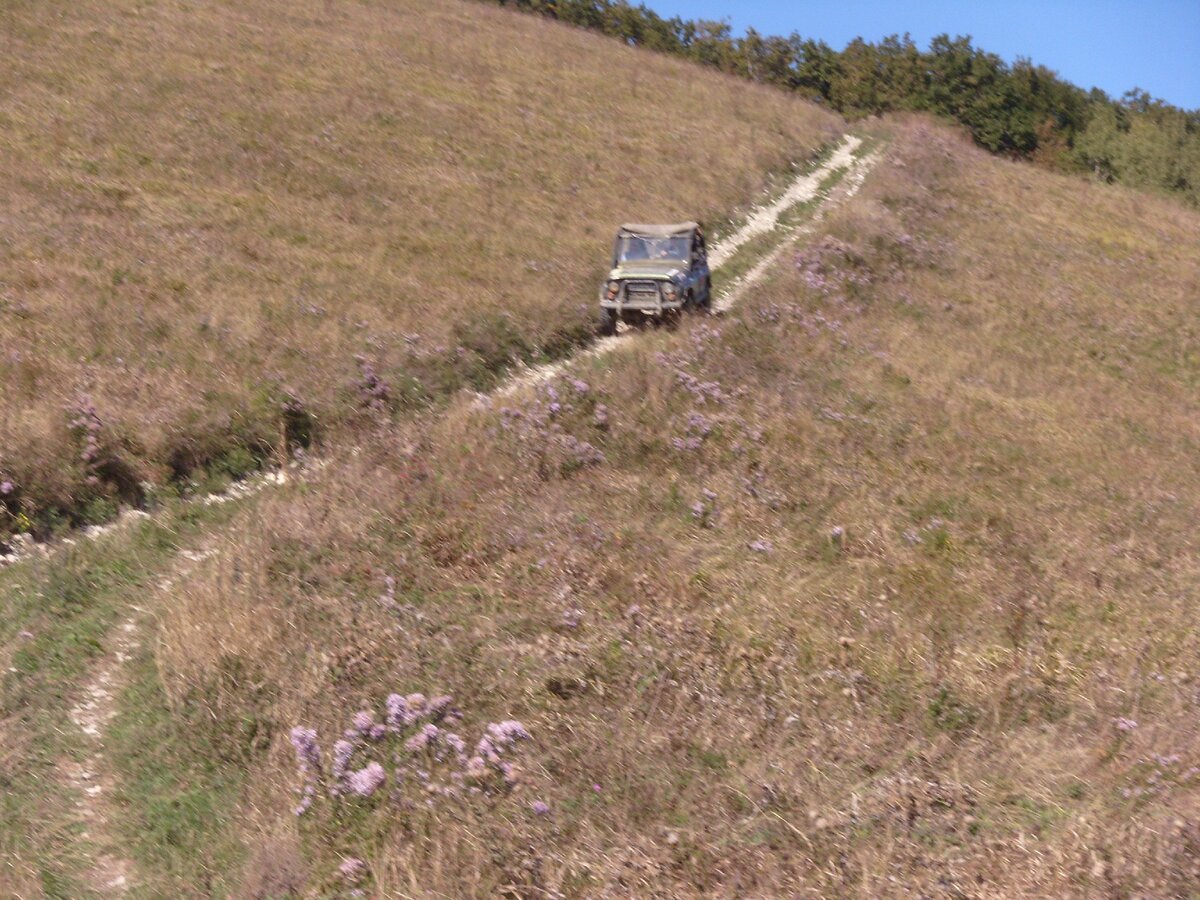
(416, 750)
(839, 269)
(548, 429)
(107, 477)
(8, 506)
(416, 738)
(1159, 775)
(352, 870)
(703, 397)
(704, 510)
(830, 265)
(86, 427)
(373, 392)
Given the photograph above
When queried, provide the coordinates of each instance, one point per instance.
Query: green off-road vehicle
(657, 271)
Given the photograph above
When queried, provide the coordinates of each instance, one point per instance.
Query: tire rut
(92, 779)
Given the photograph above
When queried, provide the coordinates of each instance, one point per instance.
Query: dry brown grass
(1001, 413)
(208, 207)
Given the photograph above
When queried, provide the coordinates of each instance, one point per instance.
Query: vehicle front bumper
(647, 306)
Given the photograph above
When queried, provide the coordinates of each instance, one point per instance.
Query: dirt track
(761, 220)
(92, 780)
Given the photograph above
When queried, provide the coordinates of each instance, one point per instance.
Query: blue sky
(1153, 44)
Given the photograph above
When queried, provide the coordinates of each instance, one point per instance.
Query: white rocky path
(761, 220)
(92, 778)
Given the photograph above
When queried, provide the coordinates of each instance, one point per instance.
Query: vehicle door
(698, 274)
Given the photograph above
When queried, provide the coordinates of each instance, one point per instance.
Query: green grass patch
(176, 794)
(57, 615)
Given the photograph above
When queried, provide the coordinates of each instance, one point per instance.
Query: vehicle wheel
(608, 322)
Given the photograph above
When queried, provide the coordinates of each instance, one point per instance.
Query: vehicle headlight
(669, 291)
(613, 287)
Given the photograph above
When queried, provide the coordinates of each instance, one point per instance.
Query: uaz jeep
(657, 270)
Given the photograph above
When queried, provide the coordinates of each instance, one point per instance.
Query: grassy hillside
(227, 226)
(884, 584)
(1020, 110)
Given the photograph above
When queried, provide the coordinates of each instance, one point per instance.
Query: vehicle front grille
(641, 290)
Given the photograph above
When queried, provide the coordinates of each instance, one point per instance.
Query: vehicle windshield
(633, 249)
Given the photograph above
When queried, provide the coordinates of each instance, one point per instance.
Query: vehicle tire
(608, 323)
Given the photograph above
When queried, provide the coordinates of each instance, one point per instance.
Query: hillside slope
(224, 227)
(884, 584)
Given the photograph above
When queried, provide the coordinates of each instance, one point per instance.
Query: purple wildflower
(308, 757)
(372, 389)
(572, 618)
(85, 423)
(6, 487)
(342, 751)
(582, 453)
(458, 745)
(422, 739)
(498, 737)
(397, 712)
(486, 750)
(761, 546)
(507, 733)
(1124, 724)
(307, 794)
(388, 597)
(540, 807)
(352, 869)
(476, 767)
(444, 753)
(700, 424)
(366, 780)
(416, 705)
(308, 754)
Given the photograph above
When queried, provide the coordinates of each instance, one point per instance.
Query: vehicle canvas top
(676, 230)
